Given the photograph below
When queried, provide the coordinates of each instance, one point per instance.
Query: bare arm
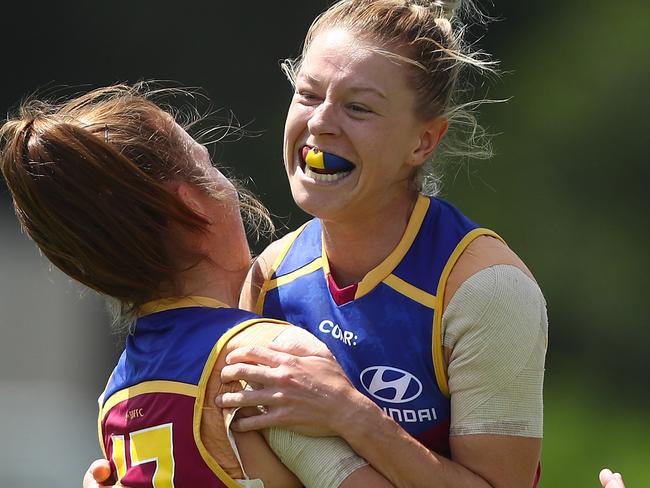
(332, 408)
(303, 393)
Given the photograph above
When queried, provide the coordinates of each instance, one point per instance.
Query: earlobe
(431, 135)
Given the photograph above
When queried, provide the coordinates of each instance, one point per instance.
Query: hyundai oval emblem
(390, 384)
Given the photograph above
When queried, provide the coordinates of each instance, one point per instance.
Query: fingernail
(217, 401)
(618, 476)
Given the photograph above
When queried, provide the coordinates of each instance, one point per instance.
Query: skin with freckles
(348, 101)
(353, 101)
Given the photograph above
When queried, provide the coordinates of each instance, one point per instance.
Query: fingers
(258, 355)
(301, 349)
(249, 398)
(88, 481)
(247, 412)
(273, 418)
(610, 480)
(254, 375)
(100, 469)
(604, 476)
(98, 472)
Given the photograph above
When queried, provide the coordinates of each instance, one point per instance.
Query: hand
(303, 393)
(98, 472)
(610, 480)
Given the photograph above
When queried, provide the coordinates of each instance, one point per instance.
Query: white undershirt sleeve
(496, 326)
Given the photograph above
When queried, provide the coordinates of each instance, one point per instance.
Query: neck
(356, 247)
(207, 279)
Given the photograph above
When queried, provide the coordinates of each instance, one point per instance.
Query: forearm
(398, 456)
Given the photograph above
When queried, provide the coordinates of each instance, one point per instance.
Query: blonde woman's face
(354, 102)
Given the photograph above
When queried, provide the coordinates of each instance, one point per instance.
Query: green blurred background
(567, 188)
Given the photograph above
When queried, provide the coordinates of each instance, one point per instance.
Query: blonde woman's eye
(308, 97)
(361, 109)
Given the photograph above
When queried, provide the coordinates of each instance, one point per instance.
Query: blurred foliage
(567, 188)
(586, 430)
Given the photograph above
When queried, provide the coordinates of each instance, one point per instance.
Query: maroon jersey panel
(149, 438)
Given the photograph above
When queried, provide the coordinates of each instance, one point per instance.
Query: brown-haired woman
(118, 196)
(438, 324)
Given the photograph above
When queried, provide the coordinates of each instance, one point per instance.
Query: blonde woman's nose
(323, 119)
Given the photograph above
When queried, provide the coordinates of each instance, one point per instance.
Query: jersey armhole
(210, 461)
(259, 306)
(437, 347)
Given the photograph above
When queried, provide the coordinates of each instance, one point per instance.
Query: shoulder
(491, 291)
(261, 271)
(482, 253)
(499, 304)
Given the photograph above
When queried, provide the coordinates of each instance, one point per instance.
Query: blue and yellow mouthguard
(326, 161)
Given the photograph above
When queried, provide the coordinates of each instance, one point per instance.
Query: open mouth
(323, 166)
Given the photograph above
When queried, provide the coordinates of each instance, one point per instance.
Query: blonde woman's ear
(430, 137)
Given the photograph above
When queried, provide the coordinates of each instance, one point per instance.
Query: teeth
(329, 178)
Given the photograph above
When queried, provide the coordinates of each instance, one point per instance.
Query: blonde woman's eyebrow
(315, 81)
(368, 89)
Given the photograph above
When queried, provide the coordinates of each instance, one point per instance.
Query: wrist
(355, 419)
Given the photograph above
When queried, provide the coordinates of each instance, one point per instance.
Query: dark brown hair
(90, 181)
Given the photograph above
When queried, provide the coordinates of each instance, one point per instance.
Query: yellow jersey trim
(100, 416)
(100, 434)
(288, 278)
(414, 293)
(386, 267)
(437, 348)
(157, 386)
(267, 285)
(165, 304)
(200, 398)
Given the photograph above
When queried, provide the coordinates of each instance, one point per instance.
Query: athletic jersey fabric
(388, 339)
(150, 412)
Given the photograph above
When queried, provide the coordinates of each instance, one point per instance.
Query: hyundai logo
(391, 385)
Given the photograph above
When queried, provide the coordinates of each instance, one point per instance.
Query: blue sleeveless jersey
(150, 412)
(388, 339)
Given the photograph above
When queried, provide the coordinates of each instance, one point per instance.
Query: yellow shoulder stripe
(200, 399)
(288, 278)
(438, 353)
(158, 386)
(386, 267)
(414, 293)
(259, 306)
(164, 304)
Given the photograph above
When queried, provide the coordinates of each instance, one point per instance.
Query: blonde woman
(438, 324)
